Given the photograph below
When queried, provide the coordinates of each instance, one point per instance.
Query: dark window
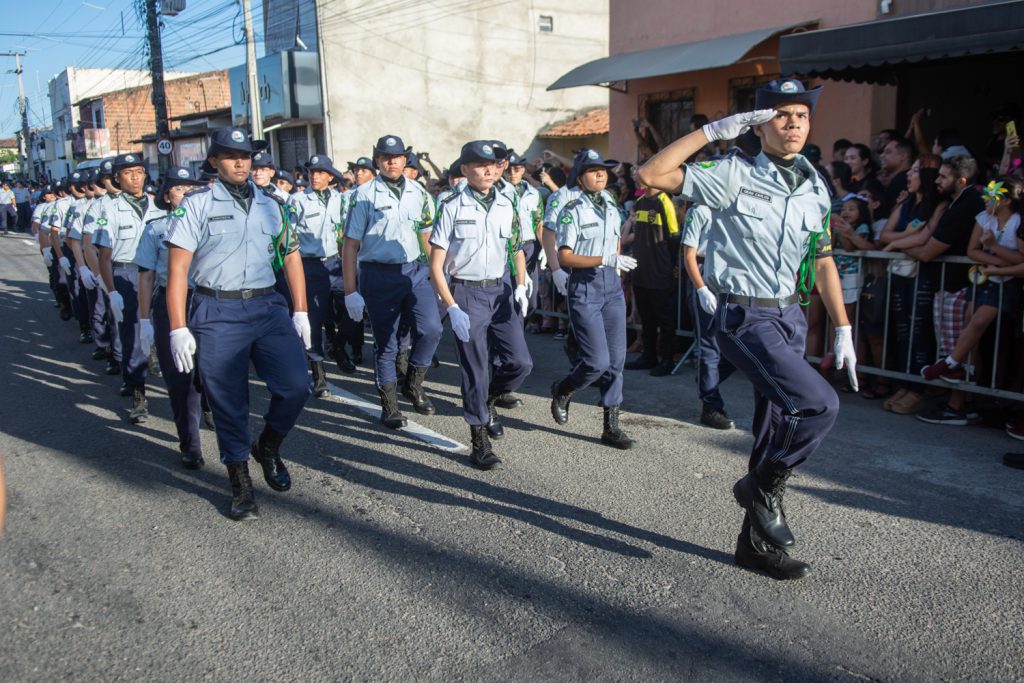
(669, 112)
(742, 91)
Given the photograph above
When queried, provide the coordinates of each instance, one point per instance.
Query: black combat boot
(316, 368)
(243, 502)
(482, 456)
(754, 552)
(140, 406)
(613, 434)
(508, 401)
(192, 461)
(101, 353)
(561, 395)
(493, 425)
(715, 418)
(413, 390)
(267, 452)
(85, 337)
(113, 367)
(402, 366)
(390, 415)
(760, 493)
(345, 363)
(357, 354)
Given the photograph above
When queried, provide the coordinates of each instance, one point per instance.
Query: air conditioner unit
(171, 8)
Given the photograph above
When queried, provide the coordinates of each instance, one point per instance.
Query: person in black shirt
(897, 156)
(656, 249)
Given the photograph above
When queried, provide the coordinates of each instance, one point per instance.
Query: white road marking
(428, 436)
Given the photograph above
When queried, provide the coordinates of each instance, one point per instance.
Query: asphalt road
(392, 559)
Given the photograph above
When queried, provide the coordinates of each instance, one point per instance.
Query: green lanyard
(426, 221)
(284, 238)
(515, 242)
(805, 280)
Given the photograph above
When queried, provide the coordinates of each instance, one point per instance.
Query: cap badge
(237, 136)
(789, 87)
(182, 173)
(390, 142)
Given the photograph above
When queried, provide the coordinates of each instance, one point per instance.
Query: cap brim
(771, 100)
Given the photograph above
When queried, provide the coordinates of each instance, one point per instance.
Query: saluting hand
(731, 127)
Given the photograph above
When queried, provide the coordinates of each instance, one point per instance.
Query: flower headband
(994, 192)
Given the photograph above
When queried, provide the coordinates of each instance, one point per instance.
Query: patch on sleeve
(565, 219)
(706, 164)
(178, 212)
(102, 221)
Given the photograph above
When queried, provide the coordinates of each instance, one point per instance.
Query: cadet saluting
(588, 234)
(230, 234)
(476, 242)
(319, 213)
(771, 239)
(387, 230)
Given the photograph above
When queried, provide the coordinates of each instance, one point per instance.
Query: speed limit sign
(164, 146)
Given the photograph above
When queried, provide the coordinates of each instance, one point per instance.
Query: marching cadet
(263, 171)
(227, 238)
(319, 213)
(589, 230)
(476, 241)
(771, 247)
(41, 229)
(549, 226)
(117, 235)
(363, 171)
(712, 369)
(283, 181)
(154, 325)
(81, 189)
(104, 327)
(386, 233)
(59, 264)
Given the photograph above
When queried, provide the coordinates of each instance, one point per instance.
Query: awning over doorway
(868, 52)
(671, 59)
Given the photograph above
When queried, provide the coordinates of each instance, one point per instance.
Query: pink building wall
(846, 110)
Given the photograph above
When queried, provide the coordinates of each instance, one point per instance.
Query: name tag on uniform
(465, 222)
(589, 225)
(219, 218)
(383, 208)
(312, 215)
(756, 195)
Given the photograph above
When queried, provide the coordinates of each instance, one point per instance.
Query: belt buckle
(246, 294)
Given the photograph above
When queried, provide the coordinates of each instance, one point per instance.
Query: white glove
(48, 256)
(460, 322)
(561, 280)
(707, 300)
(619, 262)
(731, 127)
(65, 265)
(116, 307)
(145, 334)
(183, 347)
(846, 356)
(300, 319)
(529, 285)
(521, 298)
(542, 260)
(355, 305)
(87, 278)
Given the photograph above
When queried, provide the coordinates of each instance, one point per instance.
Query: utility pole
(255, 118)
(28, 166)
(159, 97)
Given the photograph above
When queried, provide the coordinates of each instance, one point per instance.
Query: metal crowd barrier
(993, 384)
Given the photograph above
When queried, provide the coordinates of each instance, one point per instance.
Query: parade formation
(236, 266)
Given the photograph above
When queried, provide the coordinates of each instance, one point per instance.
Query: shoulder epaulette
(273, 195)
(572, 203)
(198, 190)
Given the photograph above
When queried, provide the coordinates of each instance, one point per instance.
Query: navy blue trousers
(182, 387)
(794, 407)
(495, 338)
(231, 333)
(712, 368)
(135, 359)
(597, 313)
(79, 300)
(348, 331)
(319, 304)
(391, 291)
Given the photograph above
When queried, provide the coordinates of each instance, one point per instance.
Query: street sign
(164, 146)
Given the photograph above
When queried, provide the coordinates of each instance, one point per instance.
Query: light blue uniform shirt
(316, 224)
(55, 217)
(522, 205)
(152, 251)
(582, 228)
(764, 231)
(41, 214)
(73, 218)
(476, 239)
(92, 211)
(556, 202)
(695, 231)
(231, 250)
(388, 228)
(119, 227)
